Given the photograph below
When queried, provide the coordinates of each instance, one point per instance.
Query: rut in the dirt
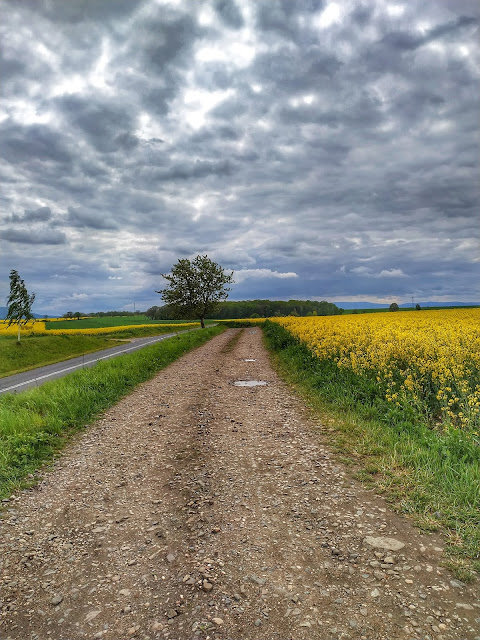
(200, 509)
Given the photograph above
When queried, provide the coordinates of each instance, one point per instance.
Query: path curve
(198, 509)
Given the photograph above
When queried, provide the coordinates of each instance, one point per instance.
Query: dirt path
(198, 509)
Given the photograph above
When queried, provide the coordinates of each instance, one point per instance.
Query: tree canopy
(195, 287)
(257, 309)
(19, 302)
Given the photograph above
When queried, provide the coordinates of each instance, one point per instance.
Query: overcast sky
(321, 149)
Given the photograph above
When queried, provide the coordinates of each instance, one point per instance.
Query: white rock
(390, 544)
(91, 615)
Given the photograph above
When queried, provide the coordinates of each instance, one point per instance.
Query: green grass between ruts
(35, 424)
(432, 475)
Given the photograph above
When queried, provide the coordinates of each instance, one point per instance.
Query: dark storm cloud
(229, 13)
(405, 41)
(280, 17)
(38, 215)
(105, 124)
(23, 144)
(81, 10)
(11, 68)
(29, 236)
(195, 170)
(394, 51)
(85, 219)
(337, 142)
(167, 38)
(42, 214)
(222, 132)
(298, 70)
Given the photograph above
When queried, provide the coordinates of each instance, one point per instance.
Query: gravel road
(195, 508)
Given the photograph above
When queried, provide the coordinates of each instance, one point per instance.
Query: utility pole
(413, 306)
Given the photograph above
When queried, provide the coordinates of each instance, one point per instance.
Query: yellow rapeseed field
(430, 359)
(33, 326)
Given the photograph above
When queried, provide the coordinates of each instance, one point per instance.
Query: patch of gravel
(195, 508)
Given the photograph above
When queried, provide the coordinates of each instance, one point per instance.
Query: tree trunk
(202, 323)
(18, 338)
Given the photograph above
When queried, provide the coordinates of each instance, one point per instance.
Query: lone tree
(195, 287)
(393, 307)
(19, 302)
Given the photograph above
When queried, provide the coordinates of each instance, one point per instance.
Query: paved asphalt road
(36, 377)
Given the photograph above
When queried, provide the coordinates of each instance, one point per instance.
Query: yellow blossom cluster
(427, 358)
(33, 326)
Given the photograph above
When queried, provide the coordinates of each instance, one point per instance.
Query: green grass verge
(109, 321)
(40, 350)
(236, 324)
(37, 351)
(432, 476)
(36, 423)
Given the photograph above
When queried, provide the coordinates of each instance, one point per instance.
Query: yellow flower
(433, 357)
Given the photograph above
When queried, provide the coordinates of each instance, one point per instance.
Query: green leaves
(19, 302)
(195, 287)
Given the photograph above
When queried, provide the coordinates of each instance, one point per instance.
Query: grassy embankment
(41, 350)
(37, 423)
(431, 475)
(38, 351)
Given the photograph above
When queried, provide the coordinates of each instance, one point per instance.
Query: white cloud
(246, 274)
(384, 273)
(329, 16)
(361, 271)
(391, 273)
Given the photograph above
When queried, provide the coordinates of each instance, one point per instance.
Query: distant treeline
(257, 309)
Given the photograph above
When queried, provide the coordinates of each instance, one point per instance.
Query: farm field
(426, 363)
(407, 309)
(400, 396)
(107, 321)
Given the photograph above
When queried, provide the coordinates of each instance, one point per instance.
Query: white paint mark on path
(250, 383)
